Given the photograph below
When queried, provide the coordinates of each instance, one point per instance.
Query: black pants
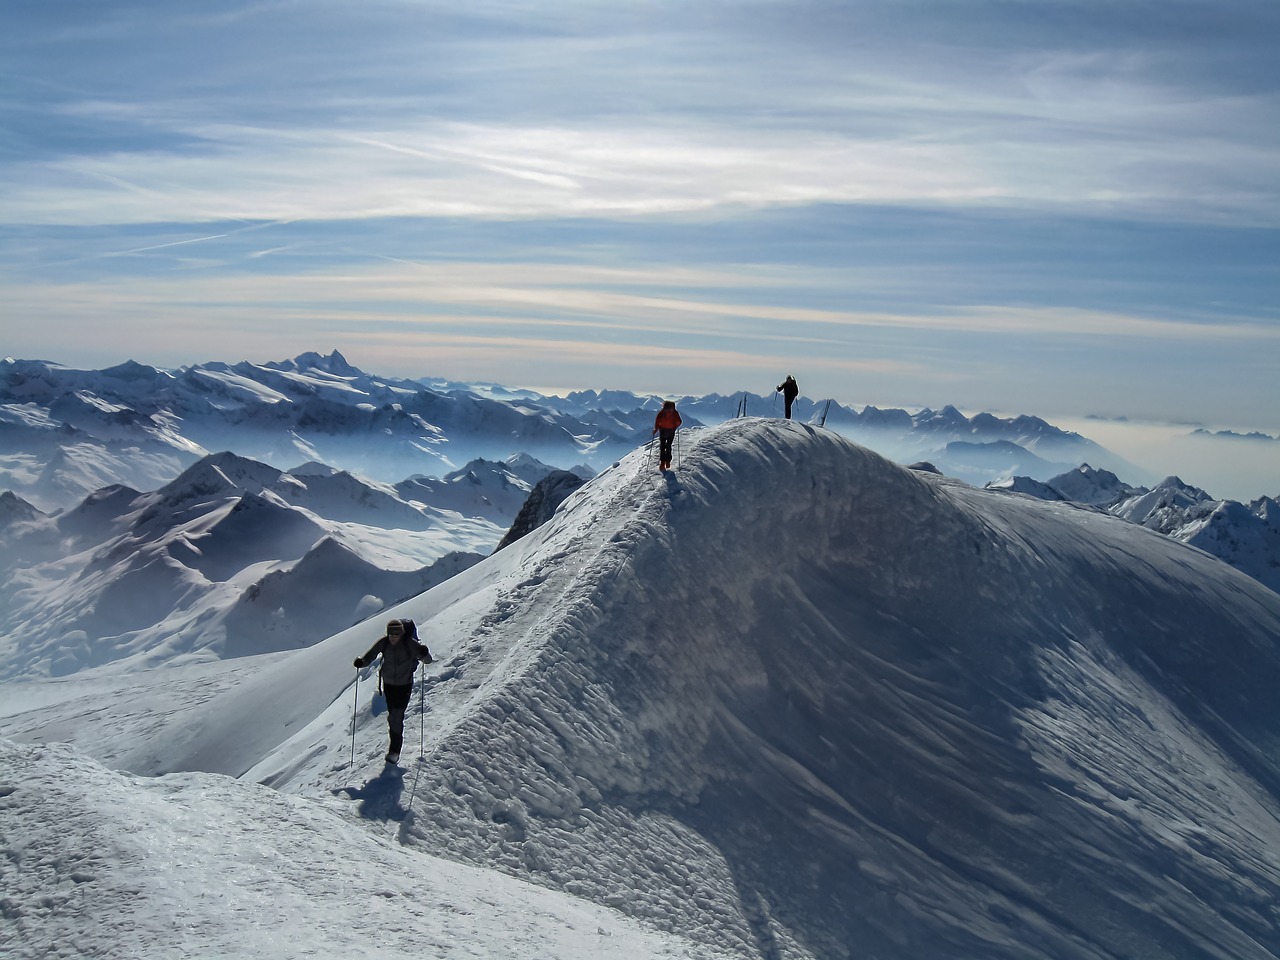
(788, 401)
(397, 704)
(665, 438)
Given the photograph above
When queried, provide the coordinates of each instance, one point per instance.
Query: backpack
(411, 633)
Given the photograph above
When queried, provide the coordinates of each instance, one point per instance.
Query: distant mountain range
(65, 433)
(234, 557)
(1247, 536)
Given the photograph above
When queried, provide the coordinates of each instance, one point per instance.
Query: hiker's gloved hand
(359, 663)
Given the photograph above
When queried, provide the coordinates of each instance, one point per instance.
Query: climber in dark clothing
(401, 653)
(789, 390)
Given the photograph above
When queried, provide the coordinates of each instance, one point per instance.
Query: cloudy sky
(1029, 206)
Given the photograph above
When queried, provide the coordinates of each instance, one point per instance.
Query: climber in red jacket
(665, 425)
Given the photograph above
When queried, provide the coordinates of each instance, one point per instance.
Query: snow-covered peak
(1028, 486)
(1165, 507)
(1267, 509)
(221, 562)
(334, 363)
(221, 473)
(14, 509)
(313, 468)
(948, 418)
(494, 490)
(793, 668)
(1095, 487)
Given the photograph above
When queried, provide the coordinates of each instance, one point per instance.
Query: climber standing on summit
(401, 652)
(789, 390)
(665, 425)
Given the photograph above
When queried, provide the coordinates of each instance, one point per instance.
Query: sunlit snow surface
(788, 701)
(197, 865)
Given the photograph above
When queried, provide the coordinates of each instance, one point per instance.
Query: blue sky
(1030, 206)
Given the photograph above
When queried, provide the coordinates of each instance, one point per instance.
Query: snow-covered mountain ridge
(795, 701)
(1247, 536)
(69, 432)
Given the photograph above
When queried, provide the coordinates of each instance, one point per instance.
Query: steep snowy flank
(328, 589)
(794, 700)
(789, 701)
(803, 697)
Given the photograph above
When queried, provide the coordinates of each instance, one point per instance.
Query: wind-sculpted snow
(793, 700)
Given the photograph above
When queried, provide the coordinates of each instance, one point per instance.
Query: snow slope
(1245, 536)
(795, 701)
(142, 868)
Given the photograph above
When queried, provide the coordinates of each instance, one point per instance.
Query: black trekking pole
(422, 742)
(354, 707)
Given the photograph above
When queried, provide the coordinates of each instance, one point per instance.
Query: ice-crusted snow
(790, 700)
